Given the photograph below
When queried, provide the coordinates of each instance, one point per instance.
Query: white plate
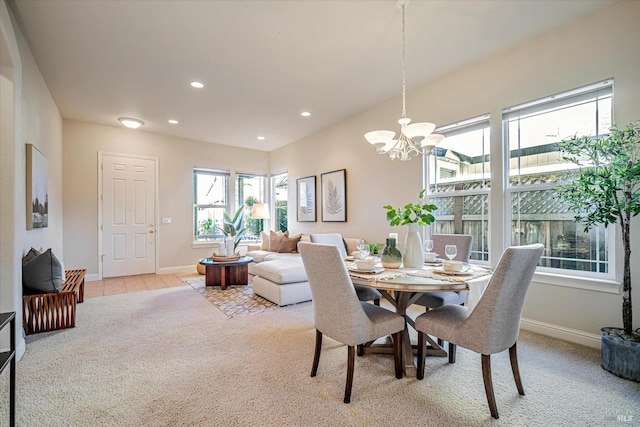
(374, 270)
(465, 270)
(438, 261)
(349, 258)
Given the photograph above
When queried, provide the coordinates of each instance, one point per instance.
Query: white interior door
(128, 215)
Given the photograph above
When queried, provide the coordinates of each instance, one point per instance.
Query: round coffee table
(221, 273)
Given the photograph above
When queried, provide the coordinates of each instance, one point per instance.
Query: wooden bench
(56, 310)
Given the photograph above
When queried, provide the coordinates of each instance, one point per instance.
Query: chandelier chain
(404, 72)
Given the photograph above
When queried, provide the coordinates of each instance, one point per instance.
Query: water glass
(428, 245)
(363, 248)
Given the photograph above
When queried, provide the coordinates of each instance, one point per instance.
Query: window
(458, 182)
(534, 164)
(280, 191)
(211, 201)
(250, 189)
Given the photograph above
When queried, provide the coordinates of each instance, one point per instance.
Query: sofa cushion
(282, 270)
(275, 238)
(42, 274)
(289, 244)
(258, 255)
(265, 241)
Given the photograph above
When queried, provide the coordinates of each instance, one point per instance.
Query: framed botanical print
(306, 191)
(334, 196)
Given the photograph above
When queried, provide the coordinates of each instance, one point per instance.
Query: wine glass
(428, 245)
(451, 251)
(363, 248)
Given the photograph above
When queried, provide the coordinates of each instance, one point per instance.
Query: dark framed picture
(306, 190)
(334, 196)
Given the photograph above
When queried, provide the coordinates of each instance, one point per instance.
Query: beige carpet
(169, 358)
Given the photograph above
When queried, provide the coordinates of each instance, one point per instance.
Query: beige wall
(176, 160)
(598, 47)
(33, 119)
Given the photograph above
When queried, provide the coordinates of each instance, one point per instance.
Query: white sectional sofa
(280, 277)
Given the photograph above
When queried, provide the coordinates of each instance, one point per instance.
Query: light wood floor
(122, 285)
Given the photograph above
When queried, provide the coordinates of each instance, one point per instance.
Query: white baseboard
(182, 269)
(560, 332)
(91, 277)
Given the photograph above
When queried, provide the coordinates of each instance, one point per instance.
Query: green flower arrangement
(411, 213)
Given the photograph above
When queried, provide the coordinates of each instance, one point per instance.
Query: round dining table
(402, 287)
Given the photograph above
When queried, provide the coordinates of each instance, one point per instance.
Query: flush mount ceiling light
(130, 122)
(414, 138)
(197, 85)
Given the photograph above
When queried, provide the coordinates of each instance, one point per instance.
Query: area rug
(235, 300)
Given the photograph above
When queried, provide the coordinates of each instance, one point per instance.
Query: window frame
(218, 172)
(600, 281)
(264, 199)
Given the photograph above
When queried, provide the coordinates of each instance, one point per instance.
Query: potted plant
(233, 227)
(413, 215)
(606, 190)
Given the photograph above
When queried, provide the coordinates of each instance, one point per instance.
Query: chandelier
(414, 138)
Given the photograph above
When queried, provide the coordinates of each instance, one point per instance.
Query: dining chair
(431, 300)
(339, 314)
(364, 294)
(493, 326)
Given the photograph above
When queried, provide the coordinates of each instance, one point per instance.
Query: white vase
(413, 253)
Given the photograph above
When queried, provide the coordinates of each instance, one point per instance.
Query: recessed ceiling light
(173, 122)
(261, 138)
(305, 114)
(197, 85)
(130, 122)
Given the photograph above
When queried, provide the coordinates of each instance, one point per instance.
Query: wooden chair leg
(513, 356)
(440, 342)
(350, 363)
(376, 302)
(360, 350)
(488, 385)
(316, 355)
(452, 353)
(421, 355)
(397, 354)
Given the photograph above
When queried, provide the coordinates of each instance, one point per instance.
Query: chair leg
(350, 363)
(488, 385)
(452, 353)
(360, 350)
(421, 355)
(397, 354)
(513, 356)
(376, 302)
(440, 342)
(316, 355)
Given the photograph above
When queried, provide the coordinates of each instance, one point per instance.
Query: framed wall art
(37, 192)
(306, 190)
(334, 196)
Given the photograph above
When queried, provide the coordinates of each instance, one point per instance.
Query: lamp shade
(422, 129)
(260, 211)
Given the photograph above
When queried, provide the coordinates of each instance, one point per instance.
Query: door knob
(150, 231)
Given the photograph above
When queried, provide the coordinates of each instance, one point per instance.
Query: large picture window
(533, 165)
(210, 202)
(458, 182)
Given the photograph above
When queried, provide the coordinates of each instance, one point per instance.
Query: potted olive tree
(606, 190)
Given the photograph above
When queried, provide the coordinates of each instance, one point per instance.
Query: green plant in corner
(606, 190)
(411, 213)
(233, 227)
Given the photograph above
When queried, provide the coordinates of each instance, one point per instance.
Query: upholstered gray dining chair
(339, 314)
(364, 294)
(430, 300)
(493, 326)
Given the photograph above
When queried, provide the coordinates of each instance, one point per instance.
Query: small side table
(9, 357)
(223, 274)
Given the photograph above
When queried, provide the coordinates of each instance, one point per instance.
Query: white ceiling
(262, 62)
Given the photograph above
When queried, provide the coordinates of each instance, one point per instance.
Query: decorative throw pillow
(42, 273)
(30, 255)
(289, 244)
(265, 241)
(275, 239)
